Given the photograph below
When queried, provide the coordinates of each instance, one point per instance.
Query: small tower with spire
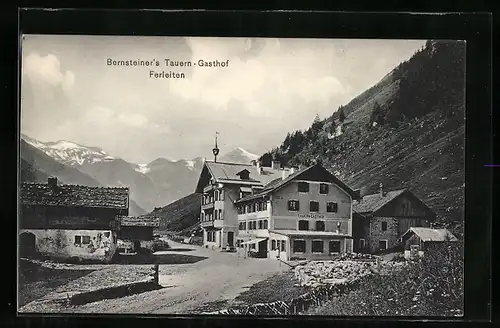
(215, 151)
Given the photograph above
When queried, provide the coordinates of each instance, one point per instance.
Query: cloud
(271, 87)
(133, 119)
(257, 74)
(48, 70)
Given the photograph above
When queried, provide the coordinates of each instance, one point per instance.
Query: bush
(160, 245)
(431, 286)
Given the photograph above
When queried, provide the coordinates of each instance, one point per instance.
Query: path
(222, 276)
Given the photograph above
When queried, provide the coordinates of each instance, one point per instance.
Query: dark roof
(372, 203)
(429, 234)
(280, 182)
(74, 196)
(139, 221)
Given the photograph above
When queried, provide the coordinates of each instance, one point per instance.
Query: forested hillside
(405, 131)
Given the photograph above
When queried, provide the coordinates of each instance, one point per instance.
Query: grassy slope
(425, 154)
(180, 214)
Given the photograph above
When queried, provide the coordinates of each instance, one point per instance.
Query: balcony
(208, 188)
(213, 223)
(208, 206)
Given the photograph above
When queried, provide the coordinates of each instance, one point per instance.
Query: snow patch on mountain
(190, 164)
(142, 168)
(69, 153)
(239, 155)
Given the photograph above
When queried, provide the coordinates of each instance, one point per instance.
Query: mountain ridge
(406, 131)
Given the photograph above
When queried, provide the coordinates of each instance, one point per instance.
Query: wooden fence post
(156, 275)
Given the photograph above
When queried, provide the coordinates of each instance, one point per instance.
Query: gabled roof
(429, 234)
(74, 196)
(280, 182)
(224, 172)
(374, 202)
(139, 221)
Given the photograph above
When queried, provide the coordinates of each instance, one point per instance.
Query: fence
(299, 305)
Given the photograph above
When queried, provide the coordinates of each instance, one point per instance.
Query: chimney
(381, 188)
(259, 168)
(52, 181)
(292, 170)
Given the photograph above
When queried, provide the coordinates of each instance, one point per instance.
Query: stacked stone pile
(315, 273)
(355, 256)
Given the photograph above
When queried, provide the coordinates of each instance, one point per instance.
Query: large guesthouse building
(289, 213)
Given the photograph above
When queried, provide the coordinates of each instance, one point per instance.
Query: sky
(270, 87)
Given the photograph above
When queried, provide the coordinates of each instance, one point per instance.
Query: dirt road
(221, 276)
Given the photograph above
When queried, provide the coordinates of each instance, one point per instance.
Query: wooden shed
(417, 239)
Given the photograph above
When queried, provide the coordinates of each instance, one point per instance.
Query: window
(382, 245)
(384, 226)
(273, 245)
(332, 207)
(265, 225)
(362, 243)
(317, 246)
(299, 246)
(260, 224)
(334, 246)
(85, 240)
(114, 239)
(323, 188)
(313, 206)
(216, 214)
(293, 205)
(303, 187)
(264, 207)
(303, 225)
(320, 225)
(283, 245)
(78, 240)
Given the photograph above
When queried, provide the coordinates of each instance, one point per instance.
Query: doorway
(27, 244)
(230, 238)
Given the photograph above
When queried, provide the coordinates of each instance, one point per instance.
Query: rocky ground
(344, 270)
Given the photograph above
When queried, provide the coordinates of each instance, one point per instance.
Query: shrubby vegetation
(431, 286)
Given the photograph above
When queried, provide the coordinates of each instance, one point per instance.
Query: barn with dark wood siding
(379, 220)
(136, 232)
(70, 221)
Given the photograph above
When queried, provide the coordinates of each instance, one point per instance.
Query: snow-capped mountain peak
(68, 152)
(239, 155)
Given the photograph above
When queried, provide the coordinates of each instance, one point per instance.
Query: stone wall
(98, 245)
(376, 233)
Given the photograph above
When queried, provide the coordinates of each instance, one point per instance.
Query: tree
(341, 114)
(266, 159)
(333, 126)
(316, 126)
(377, 115)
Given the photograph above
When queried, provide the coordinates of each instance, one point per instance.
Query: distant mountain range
(152, 185)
